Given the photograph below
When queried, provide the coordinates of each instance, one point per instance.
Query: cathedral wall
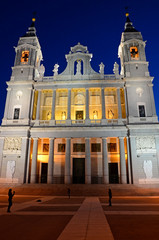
(144, 158)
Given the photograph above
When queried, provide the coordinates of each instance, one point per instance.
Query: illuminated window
(78, 104)
(37, 61)
(95, 106)
(134, 52)
(61, 104)
(46, 104)
(113, 149)
(25, 56)
(43, 150)
(111, 103)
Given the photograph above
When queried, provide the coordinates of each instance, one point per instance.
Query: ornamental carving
(145, 144)
(12, 144)
(139, 91)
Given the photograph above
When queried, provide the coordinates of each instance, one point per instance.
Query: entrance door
(113, 173)
(44, 167)
(79, 115)
(78, 170)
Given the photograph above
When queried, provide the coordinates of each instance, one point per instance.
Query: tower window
(16, 113)
(25, 56)
(134, 52)
(142, 111)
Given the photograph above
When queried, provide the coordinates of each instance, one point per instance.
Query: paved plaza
(79, 218)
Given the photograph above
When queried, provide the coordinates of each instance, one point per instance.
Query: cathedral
(80, 126)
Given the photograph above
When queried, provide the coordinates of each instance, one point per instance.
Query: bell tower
(24, 73)
(132, 52)
(135, 73)
(28, 56)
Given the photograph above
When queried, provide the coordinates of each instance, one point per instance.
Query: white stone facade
(80, 126)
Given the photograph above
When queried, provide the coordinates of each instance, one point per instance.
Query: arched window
(134, 52)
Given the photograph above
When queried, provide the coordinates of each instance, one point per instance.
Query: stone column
(87, 161)
(87, 120)
(69, 105)
(129, 162)
(105, 161)
(103, 105)
(119, 104)
(157, 153)
(68, 161)
(126, 104)
(7, 103)
(31, 104)
(122, 161)
(51, 161)
(24, 158)
(1, 153)
(38, 105)
(28, 160)
(34, 161)
(53, 105)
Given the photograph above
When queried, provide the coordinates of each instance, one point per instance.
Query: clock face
(134, 52)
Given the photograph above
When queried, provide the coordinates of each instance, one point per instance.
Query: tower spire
(128, 24)
(31, 30)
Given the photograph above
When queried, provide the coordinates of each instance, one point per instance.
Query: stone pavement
(88, 223)
(79, 218)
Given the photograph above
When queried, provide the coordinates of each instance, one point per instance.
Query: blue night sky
(61, 24)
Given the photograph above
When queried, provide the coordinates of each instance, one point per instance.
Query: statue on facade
(147, 166)
(10, 169)
(78, 67)
(55, 70)
(116, 70)
(41, 71)
(101, 68)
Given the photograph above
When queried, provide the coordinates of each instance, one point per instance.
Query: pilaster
(105, 162)
(38, 105)
(122, 161)
(87, 162)
(68, 161)
(34, 161)
(51, 161)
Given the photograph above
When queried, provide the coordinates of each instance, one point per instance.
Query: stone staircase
(81, 189)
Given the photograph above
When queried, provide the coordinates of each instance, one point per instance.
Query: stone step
(80, 189)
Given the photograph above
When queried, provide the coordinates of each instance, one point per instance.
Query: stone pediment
(78, 63)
